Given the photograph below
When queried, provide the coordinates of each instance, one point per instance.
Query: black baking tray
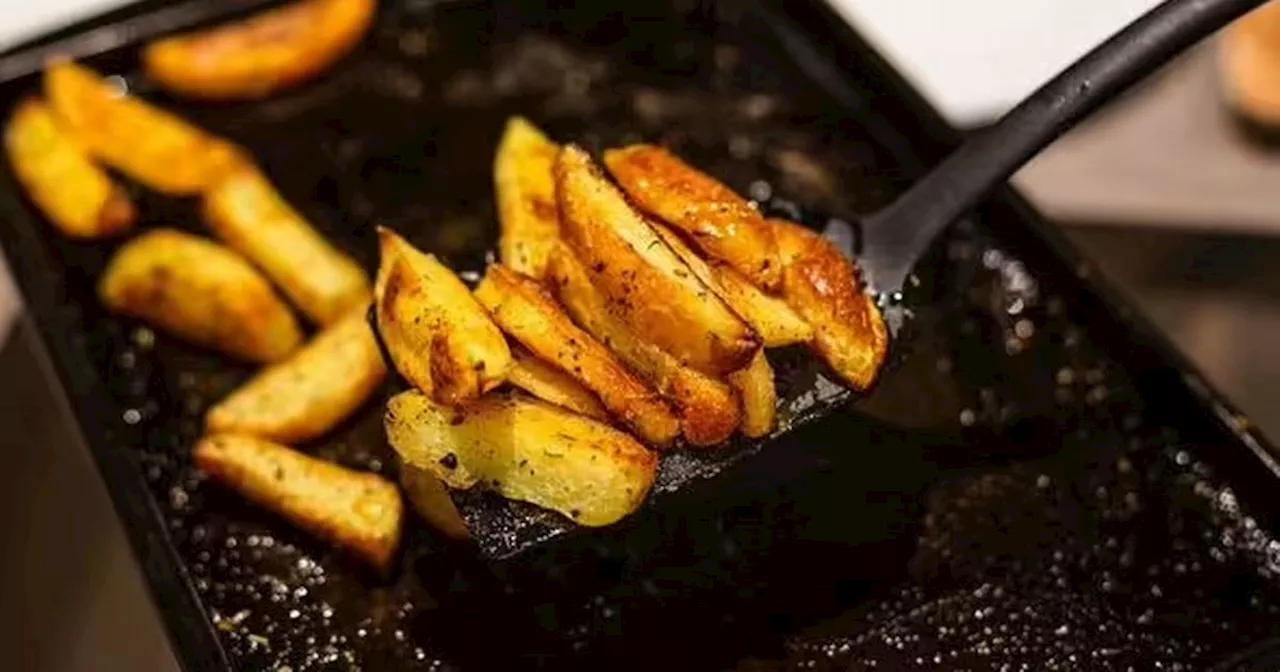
(1040, 481)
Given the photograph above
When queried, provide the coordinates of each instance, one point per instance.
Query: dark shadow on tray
(775, 544)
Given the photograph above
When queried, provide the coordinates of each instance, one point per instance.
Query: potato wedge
(648, 287)
(144, 142)
(430, 499)
(759, 396)
(769, 316)
(303, 397)
(248, 214)
(255, 57)
(525, 311)
(439, 338)
(526, 193)
(709, 412)
(76, 195)
(552, 384)
(822, 285)
(358, 512)
(720, 222)
(200, 291)
(526, 450)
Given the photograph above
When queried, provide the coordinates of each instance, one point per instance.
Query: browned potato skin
(769, 316)
(430, 499)
(552, 384)
(759, 397)
(526, 450)
(247, 213)
(146, 143)
(648, 287)
(822, 285)
(525, 311)
(199, 291)
(721, 223)
(359, 512)
(303, 397)
(71, 190)
(709, 410)
(438, 336)
(260, 55)
(526, 194)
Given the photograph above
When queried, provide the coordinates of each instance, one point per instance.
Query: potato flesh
(260, 55)
(771, 317)
(430, 499)
(526, 195)
(356, 511)
(822, 285)
(199, 291)
(247, 213)
(551, 384)
(759, 396)
(305, 396)
(439, 338)
(76, 195)
(720, 222)
(648, 287)
(709, 411)
(522, 309)
(525, 450)
(152, 146)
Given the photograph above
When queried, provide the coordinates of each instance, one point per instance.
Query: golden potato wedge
(430, 499)
(525, 311)
(709, 412)
(720, 222)
(62, 181)
(759, 396)
(648, 287)
(526, 450)
(303, 397)
(439, 338)
(526, 194)
(358, 512)
(260, 55)
(822, 285)
(200, 291)
(248, 214)
(769, 316)
(552, 384)
(144, 142)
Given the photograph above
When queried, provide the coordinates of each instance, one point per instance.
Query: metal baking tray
(1040, 481)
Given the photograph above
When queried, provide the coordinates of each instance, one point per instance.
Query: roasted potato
(709, 411)
(153, 147)
(260, 55)
(430, 499)
(721, 223)
(247, 213)
(822, 285)
(199, 291)
(525, 450)
(303, 397)
(358, 512)
(526, 312)
(759, 396)
(71, 190)
(526, 193)
(552, 384)
(649, 289)
(439, 338)
(769, 316)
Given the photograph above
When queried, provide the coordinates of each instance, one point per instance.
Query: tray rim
(813, 26)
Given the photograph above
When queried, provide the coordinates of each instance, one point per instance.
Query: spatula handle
(902, 232)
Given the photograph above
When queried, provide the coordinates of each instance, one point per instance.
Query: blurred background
(1163, 190)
